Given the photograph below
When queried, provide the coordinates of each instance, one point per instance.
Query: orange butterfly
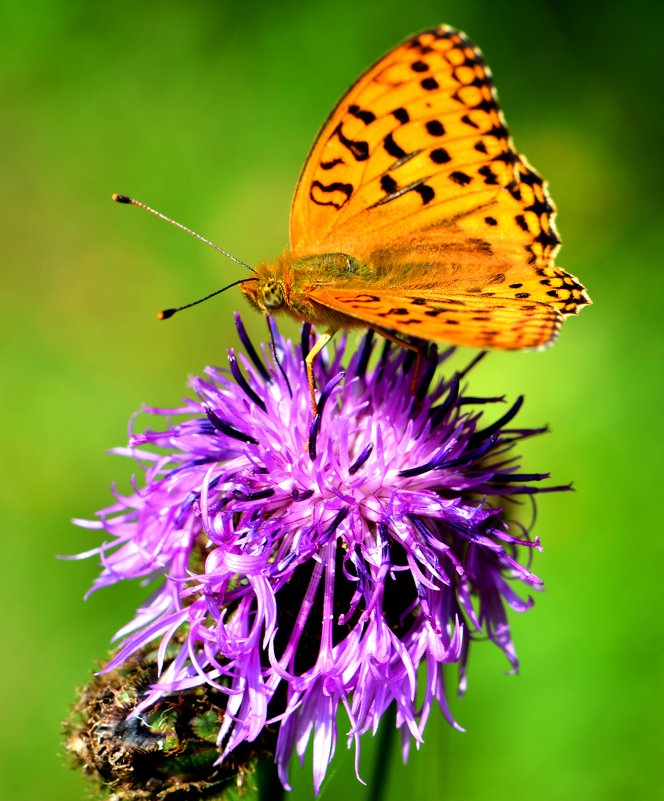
(414, 213)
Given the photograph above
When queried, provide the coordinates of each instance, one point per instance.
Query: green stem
(385, 738)
(269, 786)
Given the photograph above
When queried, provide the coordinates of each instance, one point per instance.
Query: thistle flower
(307, 565)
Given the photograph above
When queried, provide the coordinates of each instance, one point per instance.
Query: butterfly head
(267, 292)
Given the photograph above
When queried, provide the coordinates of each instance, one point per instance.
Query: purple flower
(306, 565)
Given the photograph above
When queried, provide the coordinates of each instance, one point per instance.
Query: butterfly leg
(404, 343)
(320, 343)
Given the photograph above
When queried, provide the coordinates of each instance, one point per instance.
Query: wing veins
(398, 193)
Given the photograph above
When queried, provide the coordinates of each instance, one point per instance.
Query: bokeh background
(206, 110)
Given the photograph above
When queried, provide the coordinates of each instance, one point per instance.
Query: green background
(206, 110)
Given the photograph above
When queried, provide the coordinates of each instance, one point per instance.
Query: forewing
(416, 159)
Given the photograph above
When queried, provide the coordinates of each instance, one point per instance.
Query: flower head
(307, 565)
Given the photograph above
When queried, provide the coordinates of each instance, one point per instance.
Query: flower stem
(385, 738)
(267, 778)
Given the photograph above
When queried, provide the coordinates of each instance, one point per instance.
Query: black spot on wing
(388, 184)
(460, 178)
(392, 148)
(490, 177)
(497, 132)
(361, 297)
(358, 148)
(540, 207)
(520, 220)
(435, 128)
(328, 165)
(394, 312)
(485, 105)
(365, 115)
(426, 192)
(547, 239)
(440, 156)
(529, 178)
(507, 157)
(344, 192)
(401, 115)
(436, 311)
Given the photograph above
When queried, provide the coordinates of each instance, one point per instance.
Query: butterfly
(415, 216)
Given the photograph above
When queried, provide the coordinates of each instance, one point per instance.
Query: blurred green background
(206, 110)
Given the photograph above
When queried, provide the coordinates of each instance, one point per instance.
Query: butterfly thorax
(287, 286)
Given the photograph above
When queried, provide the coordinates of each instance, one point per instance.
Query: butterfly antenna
(166, 313)
(131, 202)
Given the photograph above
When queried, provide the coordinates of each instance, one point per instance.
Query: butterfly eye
(273, 294)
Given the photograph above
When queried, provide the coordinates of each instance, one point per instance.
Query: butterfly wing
(458, 319)
(415, 170)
